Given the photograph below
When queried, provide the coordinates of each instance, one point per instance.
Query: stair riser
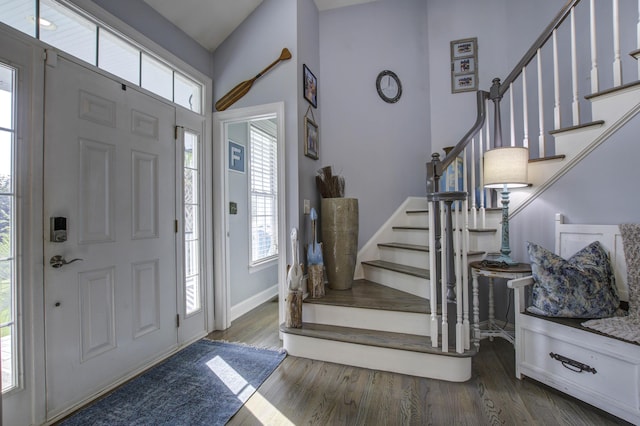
(453, 369)
(417, 219)
(411, 236)
(370, 319)
(611, 106)
(418, 259)
(397, 280)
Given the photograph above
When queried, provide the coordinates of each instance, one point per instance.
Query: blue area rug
(204, 384)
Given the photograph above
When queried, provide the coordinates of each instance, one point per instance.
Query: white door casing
(109, 170)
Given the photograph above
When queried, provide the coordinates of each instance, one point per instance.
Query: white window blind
(264, 194)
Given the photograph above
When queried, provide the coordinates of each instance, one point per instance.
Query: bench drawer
(612, 378)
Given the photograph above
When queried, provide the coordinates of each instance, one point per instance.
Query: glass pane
(190, 150)
(6, 294)
(192, 293)
(118, 57)
(6, 228)
(6, 97)
(190, 186)
(68, 31)
(19, 14)
(192, 259)
(6, 156)
(8, 376)
(187, 93)
(157, 77)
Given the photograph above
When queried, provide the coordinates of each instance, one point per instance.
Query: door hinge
(177, 320)
(175, 226)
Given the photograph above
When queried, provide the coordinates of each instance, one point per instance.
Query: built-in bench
(594, 367)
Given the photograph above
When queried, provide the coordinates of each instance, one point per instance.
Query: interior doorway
(251, 219)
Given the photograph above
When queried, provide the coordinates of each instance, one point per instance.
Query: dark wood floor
(302, 391)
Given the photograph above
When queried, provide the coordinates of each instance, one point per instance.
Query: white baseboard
(253, 302)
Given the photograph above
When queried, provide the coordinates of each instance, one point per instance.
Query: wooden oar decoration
(241, 89)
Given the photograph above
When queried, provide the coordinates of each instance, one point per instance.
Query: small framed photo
(463, 65)
(236, 157)
(311, 138)
(463, 48)
(463, 83)
(310, 86)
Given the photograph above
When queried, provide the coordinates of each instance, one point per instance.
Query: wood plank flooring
(302, 391)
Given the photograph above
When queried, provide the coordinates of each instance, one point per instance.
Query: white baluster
(459, 244)
(443, 286)
(556, 82)
(638, 43)
(525, 109)
(474, 207)
(433, 294)
(512, 124)
(574, 71)
(540, 108)
(617, 63)
(594, 49)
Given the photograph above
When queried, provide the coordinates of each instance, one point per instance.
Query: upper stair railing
(545, 92)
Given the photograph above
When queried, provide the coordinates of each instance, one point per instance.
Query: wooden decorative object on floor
(294, 309)
(316, 281)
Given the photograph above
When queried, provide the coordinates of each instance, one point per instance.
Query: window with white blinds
(264, 191)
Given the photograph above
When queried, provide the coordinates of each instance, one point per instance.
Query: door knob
(58, 261)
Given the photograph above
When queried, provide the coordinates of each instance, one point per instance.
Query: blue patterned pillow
(580, 287)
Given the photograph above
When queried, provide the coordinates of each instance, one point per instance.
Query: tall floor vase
(339, 224)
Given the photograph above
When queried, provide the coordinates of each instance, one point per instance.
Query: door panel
(109, 170)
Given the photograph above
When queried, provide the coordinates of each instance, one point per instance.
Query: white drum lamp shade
(506, 166)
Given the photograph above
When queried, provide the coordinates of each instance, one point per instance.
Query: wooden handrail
(540, 41)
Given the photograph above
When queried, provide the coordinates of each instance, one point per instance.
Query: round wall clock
(389, 87)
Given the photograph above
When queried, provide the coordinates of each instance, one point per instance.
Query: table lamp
(505, 168)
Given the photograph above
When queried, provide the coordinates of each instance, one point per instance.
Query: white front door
(110, 178)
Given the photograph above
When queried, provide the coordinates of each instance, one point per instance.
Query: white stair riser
(417, 219)
(453, 369)
(369, 319)
(411, 236)
(397, 280)
(418, 259)
(612, 106)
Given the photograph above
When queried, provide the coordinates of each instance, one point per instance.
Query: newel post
(434, 171)
(496, 97)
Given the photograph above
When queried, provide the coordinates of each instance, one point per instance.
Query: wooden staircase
(383, 321)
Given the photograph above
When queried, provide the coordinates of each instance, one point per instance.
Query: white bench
(598, 369)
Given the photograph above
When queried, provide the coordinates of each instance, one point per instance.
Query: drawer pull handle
(572, 365)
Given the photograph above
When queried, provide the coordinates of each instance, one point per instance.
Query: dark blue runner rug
(204, 384)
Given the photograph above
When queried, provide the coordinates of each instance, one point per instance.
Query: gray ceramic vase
(339, 224)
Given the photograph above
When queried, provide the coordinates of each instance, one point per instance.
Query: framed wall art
(464, 65)
(311, 138)
(236, 157)
(310, 86)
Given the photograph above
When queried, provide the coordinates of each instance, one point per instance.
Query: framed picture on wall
(464, 65)
(310, 86)
(311, 138)
(236, 157)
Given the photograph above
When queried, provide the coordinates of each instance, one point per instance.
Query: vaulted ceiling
(209, 22)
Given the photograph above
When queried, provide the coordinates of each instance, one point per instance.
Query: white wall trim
(253, 302)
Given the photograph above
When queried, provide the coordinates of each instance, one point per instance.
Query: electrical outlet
(307, 206)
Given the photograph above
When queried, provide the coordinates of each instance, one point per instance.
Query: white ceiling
(209, 22)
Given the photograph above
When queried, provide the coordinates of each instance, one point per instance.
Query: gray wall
(255, 44)
(245, 282)
(380, 148)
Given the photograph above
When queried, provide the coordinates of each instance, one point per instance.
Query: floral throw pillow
(580, 287)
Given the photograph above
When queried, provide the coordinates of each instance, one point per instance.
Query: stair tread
(397, 267)
(369, 295)
(419, 247)
(383, 339)
(412, 228)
